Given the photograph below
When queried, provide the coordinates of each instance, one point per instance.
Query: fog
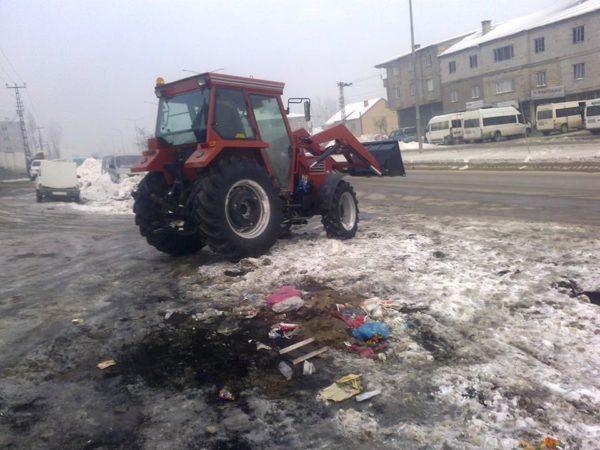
(90, 66)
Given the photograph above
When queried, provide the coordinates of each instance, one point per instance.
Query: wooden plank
(309, 355)
(296, 345)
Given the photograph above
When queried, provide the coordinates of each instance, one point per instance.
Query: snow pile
(413, 145)
(100, 194)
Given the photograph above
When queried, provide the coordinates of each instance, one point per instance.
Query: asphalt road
(571, 198)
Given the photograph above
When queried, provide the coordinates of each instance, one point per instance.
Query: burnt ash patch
(214, 355)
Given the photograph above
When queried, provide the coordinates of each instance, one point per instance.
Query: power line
(11, 66)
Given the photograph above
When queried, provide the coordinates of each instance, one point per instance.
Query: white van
(57, 179)
(558, 117)
(34, 169)
(592, 116)
(446, 129)
(493, 123)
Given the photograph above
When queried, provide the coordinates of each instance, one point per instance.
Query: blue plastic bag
(370, 329)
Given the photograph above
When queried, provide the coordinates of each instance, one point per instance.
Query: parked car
(57, 179)
(406, 134)
(34, 169)
(118, 165)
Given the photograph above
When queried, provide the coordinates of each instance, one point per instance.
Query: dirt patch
(440, 348)
(194, 354)
(317, 319)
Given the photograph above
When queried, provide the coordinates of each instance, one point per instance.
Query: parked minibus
(591, 115)
(493, 123)
(446, 129)
(558, 117)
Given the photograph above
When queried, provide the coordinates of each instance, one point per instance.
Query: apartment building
(401, 87)
(550, 56)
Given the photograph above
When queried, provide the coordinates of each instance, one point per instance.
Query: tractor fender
(327, 190)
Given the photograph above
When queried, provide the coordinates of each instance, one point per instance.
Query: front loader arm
(355, 154)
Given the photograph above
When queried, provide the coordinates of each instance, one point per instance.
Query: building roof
(566, 10)
(354, 110)
(418, 50)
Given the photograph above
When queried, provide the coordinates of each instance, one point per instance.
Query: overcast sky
(90, 66)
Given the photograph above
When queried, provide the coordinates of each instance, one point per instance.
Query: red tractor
(226, 170)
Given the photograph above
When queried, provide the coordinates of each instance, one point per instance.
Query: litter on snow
(343, 388)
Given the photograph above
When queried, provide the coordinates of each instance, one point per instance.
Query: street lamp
(416, 78)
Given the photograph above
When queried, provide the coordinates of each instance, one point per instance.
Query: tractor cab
(213, 115)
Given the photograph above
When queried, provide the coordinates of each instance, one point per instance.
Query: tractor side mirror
(307, 110)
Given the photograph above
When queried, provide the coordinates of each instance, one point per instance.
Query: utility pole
(416, 79)
(342, 85)
(20, 113)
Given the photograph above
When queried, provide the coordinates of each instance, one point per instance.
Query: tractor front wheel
(155, 221)
(238, 209)
(341, 220)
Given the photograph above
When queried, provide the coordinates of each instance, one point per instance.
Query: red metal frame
(205, 153)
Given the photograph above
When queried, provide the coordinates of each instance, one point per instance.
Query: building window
(412, 90)
(473, 61)
(504, 86)
(539, 45)
(430, 85)
(475, 92)
(452, 66)
(503, 53)
(395, 70)
(397, 92)
(578, 35)
(453, 96)
(579, 71)
(540, 78)
(427, 60)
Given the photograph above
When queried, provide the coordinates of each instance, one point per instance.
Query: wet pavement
(77, 289)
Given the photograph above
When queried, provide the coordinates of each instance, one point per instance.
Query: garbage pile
(286, 335)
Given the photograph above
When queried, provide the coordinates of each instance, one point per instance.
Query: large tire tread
(150, 222)
(209, 208)
(330, 219)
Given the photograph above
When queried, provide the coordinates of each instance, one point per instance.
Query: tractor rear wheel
(238, 209)
(341, 221)
(175, 237)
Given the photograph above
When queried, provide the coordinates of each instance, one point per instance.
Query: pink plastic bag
(283, 293)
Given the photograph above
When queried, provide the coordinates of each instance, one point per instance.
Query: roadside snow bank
(100, 194)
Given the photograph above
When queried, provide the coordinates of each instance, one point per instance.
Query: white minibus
(592, 116)
(446, 129)
(493, 123)
(558, 117)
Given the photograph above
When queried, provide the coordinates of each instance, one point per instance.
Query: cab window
(231, 115)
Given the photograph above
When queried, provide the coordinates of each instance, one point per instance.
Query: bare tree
(323, 109)
(382, 125)
(141, 138)
(55, 137)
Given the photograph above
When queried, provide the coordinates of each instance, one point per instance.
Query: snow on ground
(100, 194)
(499, 352)
(507, 152)
(488, 345)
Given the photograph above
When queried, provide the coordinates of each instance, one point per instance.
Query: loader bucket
(387, 154)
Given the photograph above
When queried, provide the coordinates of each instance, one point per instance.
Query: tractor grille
(318, 168)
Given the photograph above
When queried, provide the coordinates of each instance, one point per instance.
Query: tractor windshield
(182, 118)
